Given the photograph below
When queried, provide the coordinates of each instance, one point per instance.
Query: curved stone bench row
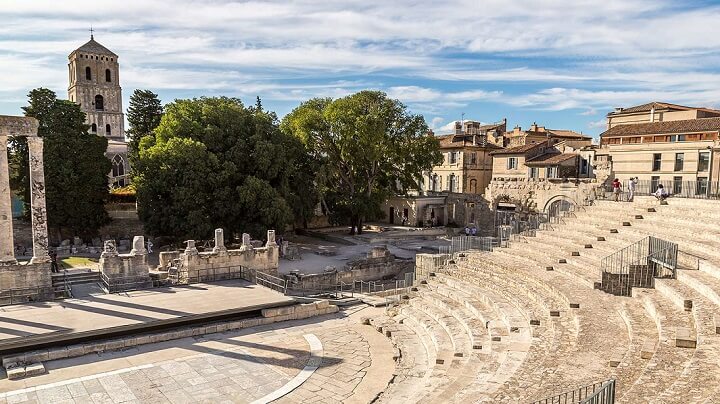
(413, 367)
(606, 340)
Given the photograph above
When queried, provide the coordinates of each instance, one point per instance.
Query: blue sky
(562, 64)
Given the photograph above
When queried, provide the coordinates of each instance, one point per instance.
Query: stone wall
(378, 265)
(537, 195)
(34, 280)
(122, 272)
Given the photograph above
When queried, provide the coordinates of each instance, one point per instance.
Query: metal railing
(637, 265)
(468, 243)
(123, 283)
(596, 393)
(698, 189)
(271, 282)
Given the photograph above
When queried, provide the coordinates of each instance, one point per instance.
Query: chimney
(533, 127)
(652, 114)
(618, 109)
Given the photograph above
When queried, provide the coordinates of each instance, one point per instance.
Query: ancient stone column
(38, 212)
(191, 249)
(138, 246)
(271, 239)
(219, 241)
(246, 242)
(7, 254)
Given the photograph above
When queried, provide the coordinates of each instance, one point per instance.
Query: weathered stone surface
(38, 211)
(7, 254)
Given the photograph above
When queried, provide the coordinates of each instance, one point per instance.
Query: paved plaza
(240, 366)
(105, 311)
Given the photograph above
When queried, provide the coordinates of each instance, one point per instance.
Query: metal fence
(468, 243)
(698, 189)
(597, 393)
(267, 280)
(638, 264)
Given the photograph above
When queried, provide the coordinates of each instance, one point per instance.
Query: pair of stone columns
(27, 127)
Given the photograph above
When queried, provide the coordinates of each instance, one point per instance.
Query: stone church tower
(94, 75)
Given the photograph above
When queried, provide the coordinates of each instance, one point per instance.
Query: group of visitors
(470, 231)
(661, 194)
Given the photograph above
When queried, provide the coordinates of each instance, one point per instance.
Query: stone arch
(108, 75)
(559, 203)
(99, 103)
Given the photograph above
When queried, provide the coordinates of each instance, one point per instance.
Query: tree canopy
(215, 163)
(370, 147)
(144, 114)
(76, 168)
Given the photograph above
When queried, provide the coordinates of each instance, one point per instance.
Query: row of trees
(204, 163)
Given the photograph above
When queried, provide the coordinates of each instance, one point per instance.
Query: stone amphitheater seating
(526, 322)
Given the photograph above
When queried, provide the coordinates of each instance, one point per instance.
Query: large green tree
(370, 147)
(76, 168)
(215, 163)
(144, 114)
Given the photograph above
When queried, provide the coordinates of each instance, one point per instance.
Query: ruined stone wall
(536, 195)
(125, 271)
(33, 278)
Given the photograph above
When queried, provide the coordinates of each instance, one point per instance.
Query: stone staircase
(73, 278)
(526, 322)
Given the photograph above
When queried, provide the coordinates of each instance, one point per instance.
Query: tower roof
(93, 46)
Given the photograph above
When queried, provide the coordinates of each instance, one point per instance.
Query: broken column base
(19, 371)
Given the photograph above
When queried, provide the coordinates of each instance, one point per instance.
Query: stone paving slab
(113, 310)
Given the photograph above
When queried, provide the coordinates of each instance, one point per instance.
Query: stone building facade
(675, 145)
(94, 84)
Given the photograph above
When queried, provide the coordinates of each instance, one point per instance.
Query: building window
(99, 103)
(702, 186)
(657, 159)
(654, 182)
(108, 77)
(533, 172)
(677, 185)
(584, 167)
(452, 157)
(93, 128)
(118, 166)
(434, 183)
(679, 161)
(473, 158)
(452, 183)
(88, 73)
(473, 187)
(512, 163)
(703, 161)
(107, 129)
(551, 172)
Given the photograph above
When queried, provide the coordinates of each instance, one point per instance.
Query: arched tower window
(107, 129)
(88, 73)
(118, 166)
(107, 75)
(99, 103)
(93, 128)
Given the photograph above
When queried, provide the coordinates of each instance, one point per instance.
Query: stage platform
(38, 325)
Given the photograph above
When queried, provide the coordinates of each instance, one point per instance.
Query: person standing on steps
(617, 188)
(661, 194)
(631, 188)
(53, 261)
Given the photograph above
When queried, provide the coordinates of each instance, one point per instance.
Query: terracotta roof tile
(93, 46)
(520, 149)
(452, 142)
(550, 159)
(657, 128)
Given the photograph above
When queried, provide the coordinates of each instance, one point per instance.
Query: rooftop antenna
(91, 32)
(462, 122)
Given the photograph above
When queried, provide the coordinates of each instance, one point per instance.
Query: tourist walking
(467, 231)
(617, 188)
(149, 247)
(632, 182)
(661, 194)
(53, 261)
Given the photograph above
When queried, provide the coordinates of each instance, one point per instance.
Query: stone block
(575, 253)
(34, 369)
(477, 346)
(458, 354)
(688, 305)
(331, 310)
(365, 320)
(11, 361)
(496, 339)
(600, 238)
(627, 224)
(588, 246)
(16, 373)
(114, 345)
(615, 360)
(664, 203)
(37, 356)
(717, 323)
(388, 333)
(142, 340)
(250, 322)
(549, 268)
(514, 329)
(648, 349)
(321, 304)
(534, 322)
(222, 327)
(562, 261)
(639, 217)
(439, 361)
(684, 338)
(613, 231)
(574, 305)
(75, 351)
(554, 313)
(57, 353)
(129, 342)
(651, 210)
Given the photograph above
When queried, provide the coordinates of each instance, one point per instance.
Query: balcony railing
(699, 189)
(597, 393)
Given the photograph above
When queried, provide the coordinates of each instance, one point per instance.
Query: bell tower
(94, 75)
